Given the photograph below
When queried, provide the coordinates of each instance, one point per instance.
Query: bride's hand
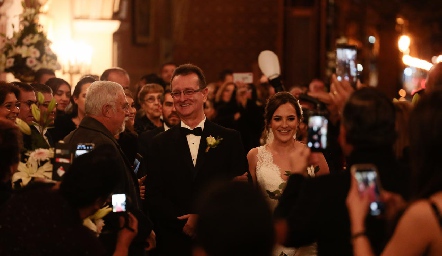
(299, 159)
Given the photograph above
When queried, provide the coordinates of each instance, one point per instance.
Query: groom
(183, 162)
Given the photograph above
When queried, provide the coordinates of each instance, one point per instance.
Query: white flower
(9, 62)
(27, 40)
(34, 52)
(31, 62)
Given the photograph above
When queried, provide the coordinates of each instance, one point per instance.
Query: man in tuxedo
(106, 108)
(181, 162)
(315, 210)
(170, 119)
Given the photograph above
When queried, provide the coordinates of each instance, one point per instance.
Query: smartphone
(368, 180)
(246, 78)
(317, 129)
(83, 148)
(137, 163)
(119, 202)
(62, 160)
(346, 66)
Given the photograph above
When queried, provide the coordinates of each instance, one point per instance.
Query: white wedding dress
(269, 179)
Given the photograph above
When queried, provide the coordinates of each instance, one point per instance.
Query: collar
(201, 124)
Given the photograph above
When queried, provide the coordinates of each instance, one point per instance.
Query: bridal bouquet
(29, 49)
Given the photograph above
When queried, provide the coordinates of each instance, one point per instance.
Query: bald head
(117, 75)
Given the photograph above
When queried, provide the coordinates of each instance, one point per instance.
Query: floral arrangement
(29, 49)
(212, 142)
(37, 165)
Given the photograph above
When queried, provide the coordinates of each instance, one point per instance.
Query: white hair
(101, 93)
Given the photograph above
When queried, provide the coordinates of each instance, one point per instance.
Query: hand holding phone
(368, 183)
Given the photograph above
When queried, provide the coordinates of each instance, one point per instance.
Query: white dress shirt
(193, 140)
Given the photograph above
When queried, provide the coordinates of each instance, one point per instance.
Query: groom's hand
(189, 227)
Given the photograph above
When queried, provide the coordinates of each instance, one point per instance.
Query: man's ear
(106, 110)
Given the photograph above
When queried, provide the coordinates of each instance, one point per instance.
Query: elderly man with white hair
(106, 108)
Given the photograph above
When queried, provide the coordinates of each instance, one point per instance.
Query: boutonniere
(212, 142)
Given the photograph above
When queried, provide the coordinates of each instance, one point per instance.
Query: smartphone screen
(346, 67)
(62, 160)
(317, 133)
(119, 202)
(367, 177)
(83, 148)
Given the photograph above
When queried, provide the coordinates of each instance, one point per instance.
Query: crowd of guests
(220, 168)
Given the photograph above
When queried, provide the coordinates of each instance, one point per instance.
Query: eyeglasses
(29, 103)
(187, 92)
(9, 106)
(152, 99)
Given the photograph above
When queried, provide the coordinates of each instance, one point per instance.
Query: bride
(271, 164)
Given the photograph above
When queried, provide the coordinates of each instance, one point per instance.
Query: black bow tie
(197, 131)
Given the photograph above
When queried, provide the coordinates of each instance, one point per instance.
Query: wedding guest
(194, 164)
(47, 95)
(434, 78)
(149, 98)
(166, 72)
(84, 189)
(64, 124)
(10, 146)
(117, 75)
(10, 106)
(146, 79)
(234, 219)
(27, 98)
(129, 138)
(227, 111)
(43, 74)
(62, 93)
(34, 139)
(314, 209)
(269, 164)
(106, 109)
(418, 231)
(170, 119)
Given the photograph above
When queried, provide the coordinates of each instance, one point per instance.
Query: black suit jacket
(91, 130)
(315, 208)
(174, 183)
(145, 139)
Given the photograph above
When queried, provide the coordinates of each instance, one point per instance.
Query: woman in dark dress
(64, 124)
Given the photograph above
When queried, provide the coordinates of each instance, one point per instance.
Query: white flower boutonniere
(212, 142)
